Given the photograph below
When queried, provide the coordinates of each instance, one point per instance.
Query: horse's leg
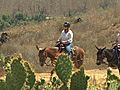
(47, 64)
(119, 68)
(52, 72)
(79, 61)
(53, 62)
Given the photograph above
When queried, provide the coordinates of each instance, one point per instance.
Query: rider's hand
(57, 41)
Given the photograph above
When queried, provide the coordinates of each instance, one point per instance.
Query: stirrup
(72, 51)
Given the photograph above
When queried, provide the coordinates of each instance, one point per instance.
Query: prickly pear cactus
(16, 77)
(113, 82)
(30, 76)
(2, 85)
(19, 74)
(63, 87)
(79, 80)
(63, 68)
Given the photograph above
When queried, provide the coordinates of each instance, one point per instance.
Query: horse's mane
(52, 49)
(109, 51)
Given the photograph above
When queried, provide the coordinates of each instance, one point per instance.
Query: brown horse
(54, 52)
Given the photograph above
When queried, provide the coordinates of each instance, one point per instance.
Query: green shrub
(39, 16)
(1, 25)
(20, 16)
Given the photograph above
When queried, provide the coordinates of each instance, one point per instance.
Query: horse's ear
(104, 48)
(37, 47)
(97, 47)
(44, 49)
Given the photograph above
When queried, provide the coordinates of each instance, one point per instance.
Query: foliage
(79, 80)
(30, 76)
(2, 85)
(52, 85)
(39, 16)
(64, 87)
(18, 74)
(107, 4)
(1, 25)
(113, 82)
(20, 18)
(63, 68)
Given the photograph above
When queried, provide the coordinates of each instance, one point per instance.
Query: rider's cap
(66, 24)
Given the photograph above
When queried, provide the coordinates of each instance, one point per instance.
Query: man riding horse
(66, 39)
(116, 47)
(63, 44)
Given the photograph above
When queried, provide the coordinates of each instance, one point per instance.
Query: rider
(66, 38)
(116, 44)
(117, 41)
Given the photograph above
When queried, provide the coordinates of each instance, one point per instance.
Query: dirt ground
(96, 75)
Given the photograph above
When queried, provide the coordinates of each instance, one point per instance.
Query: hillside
(56, 7)
(99, 27)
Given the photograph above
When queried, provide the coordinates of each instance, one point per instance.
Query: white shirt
(67, 37)
(118, 38)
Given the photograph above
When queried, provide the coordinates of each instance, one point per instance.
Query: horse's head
(42, 55)
(4, 37)
(100, 55)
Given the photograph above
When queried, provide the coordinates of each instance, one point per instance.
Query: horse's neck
(53, 49)
(108, 54)
(52, 52)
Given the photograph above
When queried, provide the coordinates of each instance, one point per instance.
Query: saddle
(61, 47)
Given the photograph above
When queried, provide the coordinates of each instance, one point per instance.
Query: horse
(112, 59)
(4, 38)
(54, 52)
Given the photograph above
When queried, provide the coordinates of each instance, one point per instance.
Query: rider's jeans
(68, 47)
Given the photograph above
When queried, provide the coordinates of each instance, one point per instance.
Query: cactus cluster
(63, 68)
(30, 76)
(64, 87)
(113, 82)
(64, 71)
(18, 74)
(79, 80)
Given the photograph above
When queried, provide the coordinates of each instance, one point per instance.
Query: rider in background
(66, 38)
(116, 46)
(117, 41)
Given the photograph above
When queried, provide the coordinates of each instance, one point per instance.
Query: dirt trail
(95, 74)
